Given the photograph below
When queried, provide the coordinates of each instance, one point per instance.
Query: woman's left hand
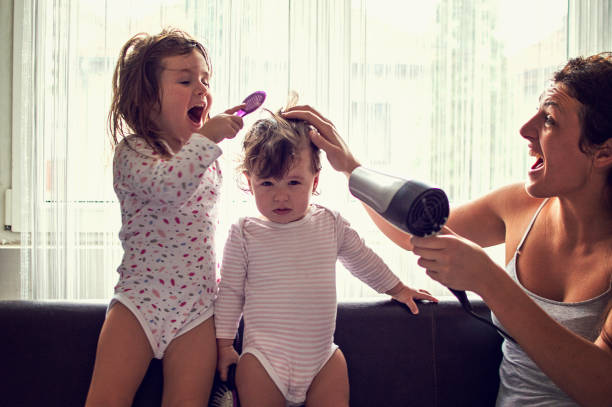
(452, 260)
(325, 137)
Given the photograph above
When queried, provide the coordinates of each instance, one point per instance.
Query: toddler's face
(185, 97)
(288, 199)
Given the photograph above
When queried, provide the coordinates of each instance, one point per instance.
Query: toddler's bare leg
(330, 386)
(189, 367)
(122, 359)
(255, 387)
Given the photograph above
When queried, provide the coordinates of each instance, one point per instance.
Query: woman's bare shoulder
(512, 201)
(489, 219)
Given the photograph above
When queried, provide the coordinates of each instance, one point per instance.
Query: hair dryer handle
(463, 299)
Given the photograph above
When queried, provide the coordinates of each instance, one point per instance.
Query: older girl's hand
(453, 260)
(325, 137)
(222, 126)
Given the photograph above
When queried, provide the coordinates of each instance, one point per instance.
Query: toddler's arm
(230, 299)
(366, 265)
(226, 356)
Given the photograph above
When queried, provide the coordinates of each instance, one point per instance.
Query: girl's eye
(294, 182)
(266, 184)
(184, 82)
(205, 83)
(549, 120)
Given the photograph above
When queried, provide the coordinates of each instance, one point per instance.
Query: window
(434, 91)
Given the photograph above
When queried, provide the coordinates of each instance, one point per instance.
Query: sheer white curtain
(433, 90)
(589, 27)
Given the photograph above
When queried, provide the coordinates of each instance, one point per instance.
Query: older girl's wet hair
(136, 90)
(272, 145)
(589, 80)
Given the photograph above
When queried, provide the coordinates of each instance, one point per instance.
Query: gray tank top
(522, 383)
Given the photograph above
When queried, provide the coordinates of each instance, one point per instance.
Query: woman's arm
(482, 221)
(580, 368)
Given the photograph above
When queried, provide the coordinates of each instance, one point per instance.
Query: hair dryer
(412, 206)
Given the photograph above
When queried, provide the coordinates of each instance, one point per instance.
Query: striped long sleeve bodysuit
(282, 279)
(168, 216)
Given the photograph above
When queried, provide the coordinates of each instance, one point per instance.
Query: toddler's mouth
(195, 114)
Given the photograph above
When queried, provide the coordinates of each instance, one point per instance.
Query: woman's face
(560, 167)
(185, 97)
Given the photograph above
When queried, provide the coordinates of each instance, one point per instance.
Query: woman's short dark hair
(589, 80)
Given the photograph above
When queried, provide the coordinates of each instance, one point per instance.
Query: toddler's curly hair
(272, 145)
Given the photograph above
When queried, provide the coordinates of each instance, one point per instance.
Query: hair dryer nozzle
(412, 206)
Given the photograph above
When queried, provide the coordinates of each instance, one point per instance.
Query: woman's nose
(529, 129)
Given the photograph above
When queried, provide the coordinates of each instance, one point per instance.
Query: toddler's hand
(226, 356)
(407, 295)
(222, 126)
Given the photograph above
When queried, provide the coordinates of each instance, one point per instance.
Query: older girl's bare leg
(189, 367)
(122, 359)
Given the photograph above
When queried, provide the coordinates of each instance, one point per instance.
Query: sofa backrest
(441, 357)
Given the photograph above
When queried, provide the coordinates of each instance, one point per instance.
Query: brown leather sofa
(441, 357)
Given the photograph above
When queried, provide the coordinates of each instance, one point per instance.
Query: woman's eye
(549, 120)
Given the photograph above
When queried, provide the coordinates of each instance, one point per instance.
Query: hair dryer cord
(465, 303)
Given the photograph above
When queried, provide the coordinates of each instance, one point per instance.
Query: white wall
(9, 257)
(6, 68)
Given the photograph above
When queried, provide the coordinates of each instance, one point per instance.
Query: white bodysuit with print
(168, 214)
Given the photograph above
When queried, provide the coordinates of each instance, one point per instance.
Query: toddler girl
(278, 271)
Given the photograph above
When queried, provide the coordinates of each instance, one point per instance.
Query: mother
(555, 295)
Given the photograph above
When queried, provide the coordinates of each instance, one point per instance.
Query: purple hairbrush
(253, 101)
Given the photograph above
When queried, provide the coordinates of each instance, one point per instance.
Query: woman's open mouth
(538, 164)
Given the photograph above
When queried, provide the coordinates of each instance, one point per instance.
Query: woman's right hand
(325, 137)
(456, 262)
(222, 126)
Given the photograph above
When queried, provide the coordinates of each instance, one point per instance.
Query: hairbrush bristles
(224, 394)
(223, 397)
(252, 102)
